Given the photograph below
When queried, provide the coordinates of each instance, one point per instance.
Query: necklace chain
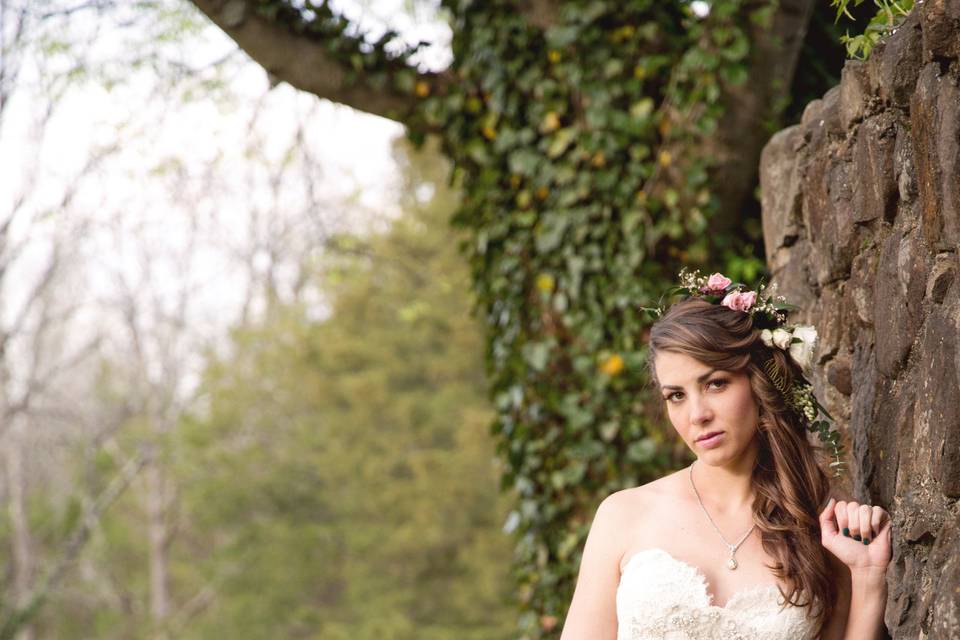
(732, 563)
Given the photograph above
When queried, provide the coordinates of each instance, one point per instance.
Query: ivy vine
(578, 149)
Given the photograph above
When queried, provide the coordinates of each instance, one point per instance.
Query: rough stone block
(934, 119)
(897, 309)
(948, 153)
(854, 92)
(942, 276)
(944, 603)
(903, 166)
(780, 198)
(838, 375)
(897, 65)
(831, 112)
(940, 20)
(811, 112)
(940, 395)
(874, 188)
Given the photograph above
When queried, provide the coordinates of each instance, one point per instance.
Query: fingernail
(866, 541)
(857, 537)
(846, 532)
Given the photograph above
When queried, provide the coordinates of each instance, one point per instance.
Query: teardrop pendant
(731, 563)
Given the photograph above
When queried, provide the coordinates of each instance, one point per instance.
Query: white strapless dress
(662, 598)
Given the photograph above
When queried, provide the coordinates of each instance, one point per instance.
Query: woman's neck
(725, 489)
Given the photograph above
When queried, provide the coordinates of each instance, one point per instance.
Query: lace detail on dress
(662, 598)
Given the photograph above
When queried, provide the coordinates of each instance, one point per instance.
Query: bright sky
(206, 167)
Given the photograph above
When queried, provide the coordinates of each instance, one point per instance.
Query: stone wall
(861, 218)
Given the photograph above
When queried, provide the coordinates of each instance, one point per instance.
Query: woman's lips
(712, 441)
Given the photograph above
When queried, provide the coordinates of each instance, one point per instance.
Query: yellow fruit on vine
(664, 158)
(422, 89)
(545, 282)
(612, 365)
(624, 33)
(542, 193)
(551, 122)
(553, 56)
(489, 132)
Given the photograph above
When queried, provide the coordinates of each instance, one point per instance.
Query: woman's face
(701, 400)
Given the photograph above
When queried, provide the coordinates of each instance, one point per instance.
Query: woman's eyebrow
(700, 380)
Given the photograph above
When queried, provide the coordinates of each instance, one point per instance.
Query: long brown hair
(789, 482)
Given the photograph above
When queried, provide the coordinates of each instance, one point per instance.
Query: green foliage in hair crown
(769, 315)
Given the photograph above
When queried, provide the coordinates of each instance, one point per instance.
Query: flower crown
(769, 314)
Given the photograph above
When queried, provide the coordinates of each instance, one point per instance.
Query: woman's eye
(720, 382)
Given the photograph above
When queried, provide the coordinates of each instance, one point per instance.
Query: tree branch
(302, 60)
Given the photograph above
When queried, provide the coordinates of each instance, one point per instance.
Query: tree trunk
(753, 108)
(20, 538)
(157, 536)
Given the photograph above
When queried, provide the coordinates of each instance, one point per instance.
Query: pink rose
(716, 282)
(739, 301)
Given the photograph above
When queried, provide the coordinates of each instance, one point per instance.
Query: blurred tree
(341, 483)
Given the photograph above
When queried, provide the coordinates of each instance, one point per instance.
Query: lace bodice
(662, 598)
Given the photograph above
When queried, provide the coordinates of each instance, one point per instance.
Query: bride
(743, 543)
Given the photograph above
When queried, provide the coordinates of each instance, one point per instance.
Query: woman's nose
(700, 410)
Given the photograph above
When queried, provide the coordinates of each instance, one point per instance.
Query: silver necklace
(732, 562)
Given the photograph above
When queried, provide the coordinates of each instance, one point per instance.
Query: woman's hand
(858, 535)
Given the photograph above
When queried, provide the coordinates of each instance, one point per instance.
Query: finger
(853, 519)
(843, 522)
(866, 515)
(827, 523)
(879, 519)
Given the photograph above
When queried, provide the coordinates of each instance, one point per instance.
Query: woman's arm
(860, 568)
(868, 600)
(593, 610)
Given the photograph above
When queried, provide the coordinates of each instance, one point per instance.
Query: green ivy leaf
(549, 233)
(537, 354)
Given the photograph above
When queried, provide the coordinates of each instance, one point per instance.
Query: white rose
(767, 336)
(782, 338)
(805, 332)
(802, 352)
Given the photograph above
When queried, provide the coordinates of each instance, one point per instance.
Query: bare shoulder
(627, 500)
(664, 487)
(623, 508)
